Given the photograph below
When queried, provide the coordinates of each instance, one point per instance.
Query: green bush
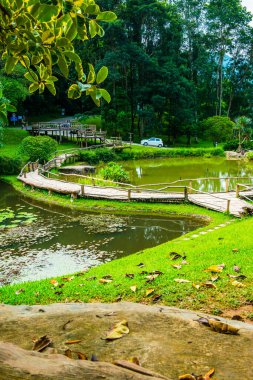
(218, 128)
(93, 157)
(38, 148)
(9, 165)
(114, 172)
(249, 156)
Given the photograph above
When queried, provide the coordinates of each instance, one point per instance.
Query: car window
(152, 139)
(157, 139)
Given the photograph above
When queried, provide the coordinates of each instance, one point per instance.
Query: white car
(153, 141)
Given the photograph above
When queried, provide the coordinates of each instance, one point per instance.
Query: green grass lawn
(230, 245)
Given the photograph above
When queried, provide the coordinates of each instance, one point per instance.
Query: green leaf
(102, 75)
(33, 87)
(95, 100)
(47, 12)
(105, 94)
(50, 86)
(91, 76)
(84, 87)
(63, 66)
(71, 32)
(3, 117)
(31, 76)
(74, 92)
(10, 64)
(106, 16)
(10, 108)
(63, 42)
(73, 56)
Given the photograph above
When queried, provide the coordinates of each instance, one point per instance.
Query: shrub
(93, 157)
(38, 148)
(114, 172)
(9, 165)
(218, 128)
(249, 156)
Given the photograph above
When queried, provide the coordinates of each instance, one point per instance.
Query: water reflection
(169, 170)
(61, 242)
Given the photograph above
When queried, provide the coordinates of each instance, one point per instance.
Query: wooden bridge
(232, 202)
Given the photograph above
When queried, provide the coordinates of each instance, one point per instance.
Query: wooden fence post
(82, 190)
(237, 190)
(227, 184)
(93, 182)
(129, 194)
(185, 194)
(228, 206)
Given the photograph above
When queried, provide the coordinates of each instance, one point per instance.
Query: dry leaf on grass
(133, 288)
(237, 277)
(104, 281)
(20, 291)
(208, 284)
(73, 354)
(54, 282)
(41, 343)
(236, 268)
(238, 284)
(117, 331)
(73, 341)
(215, 268)
(181, 280)
(192, 376)
(129, 275)
(176, 266)
(149, 291)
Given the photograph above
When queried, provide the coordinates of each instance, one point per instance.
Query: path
(221, 202)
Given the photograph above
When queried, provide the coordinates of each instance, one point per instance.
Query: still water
(57, 241)
(164, 170)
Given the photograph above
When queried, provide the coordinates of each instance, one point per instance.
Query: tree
(243, 127)
(40, 36)
(218, 128)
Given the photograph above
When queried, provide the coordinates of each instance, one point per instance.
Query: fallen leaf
(237, 318)
(196, 286)
(118, 331)
(209, 374)
(181, 280)
(73, 341)
(91, 278)
(235, 250)
(237, 277)
(151, 277)
(184, 262)
(20, 291)
(176, 266)
(41, 343)
(187, 376)
(238, 284)
(129, 275)
(58, 293)
(68, 353)
(65, 324)
(215, 268)
(208, 284)
(107, 277)
(156, 298)
(54, 282)
(104, 281)
(144, 272)
(156, 272)
(81, 356)
(222, 328)
(133, 288)
(236, 268)
(149, 291)
(67, 278)
(214, 278)
(134, 360)
(141, 265)
(175, 255)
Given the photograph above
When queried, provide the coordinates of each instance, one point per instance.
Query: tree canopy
(40, 36)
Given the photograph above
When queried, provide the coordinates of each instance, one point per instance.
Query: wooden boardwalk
(230, 201)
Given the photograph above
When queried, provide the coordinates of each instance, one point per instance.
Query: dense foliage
(10, 165)
(38, 148)
(114, 172)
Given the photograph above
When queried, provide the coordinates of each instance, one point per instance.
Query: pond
(39, 241)
(164, 170)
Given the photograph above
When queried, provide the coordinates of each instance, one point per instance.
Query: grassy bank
(229, 244)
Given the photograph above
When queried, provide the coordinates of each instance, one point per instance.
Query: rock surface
(166, 341)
